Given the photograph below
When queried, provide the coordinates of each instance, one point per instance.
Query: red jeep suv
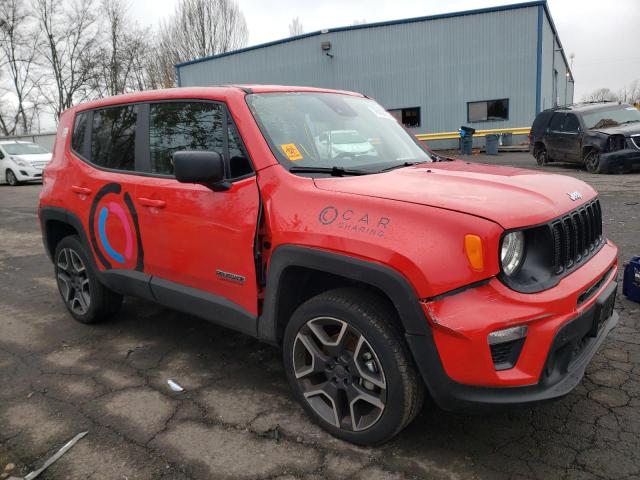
(312, 220)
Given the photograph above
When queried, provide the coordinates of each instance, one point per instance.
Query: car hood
(39, 157)
(628, 129)
(511, 197)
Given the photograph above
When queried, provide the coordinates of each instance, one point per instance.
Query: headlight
(19, 162)
(512, 252)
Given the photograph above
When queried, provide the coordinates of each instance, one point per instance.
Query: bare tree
(69, 49)
(295, 27)
(199, 28)
(124, 54)
(600, 95)
(18, 49)
(629, 93)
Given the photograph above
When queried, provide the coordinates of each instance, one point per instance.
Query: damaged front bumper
(566, 326)
(620, 161)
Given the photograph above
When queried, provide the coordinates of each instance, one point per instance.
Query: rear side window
(79, 129)
(556, 121)
(113, 137)
(183, 126)
(541, 121)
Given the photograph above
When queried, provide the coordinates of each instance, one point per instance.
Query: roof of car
(221, 91)
(587, 106)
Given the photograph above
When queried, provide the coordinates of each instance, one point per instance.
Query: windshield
(325, 130)
(23, 149)
(611, 118)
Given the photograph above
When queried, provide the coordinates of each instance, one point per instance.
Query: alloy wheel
(542, 157)
(339, 374)
(592, 161)
(11, 178)
(73, 281)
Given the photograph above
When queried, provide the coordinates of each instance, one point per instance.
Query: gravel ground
(236, 418)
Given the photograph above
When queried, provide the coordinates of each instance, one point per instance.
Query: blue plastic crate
(631, 282)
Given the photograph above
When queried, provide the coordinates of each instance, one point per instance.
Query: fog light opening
(507, 335)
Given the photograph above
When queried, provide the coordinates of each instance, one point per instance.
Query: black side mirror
(206, 168)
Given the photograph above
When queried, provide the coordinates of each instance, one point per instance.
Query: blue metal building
(488, 68)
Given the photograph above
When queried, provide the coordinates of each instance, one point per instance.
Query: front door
(571, 138)
(199, 239)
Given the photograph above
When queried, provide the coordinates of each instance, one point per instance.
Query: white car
(22, 161)
(343, 143)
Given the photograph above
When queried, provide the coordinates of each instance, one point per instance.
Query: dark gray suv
(604, 136)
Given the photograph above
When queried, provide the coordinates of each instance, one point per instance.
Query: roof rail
(579, 104)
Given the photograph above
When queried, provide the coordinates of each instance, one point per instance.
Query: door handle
(150, 202)
(80, 190)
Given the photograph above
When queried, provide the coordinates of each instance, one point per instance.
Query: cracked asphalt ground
(236, 418)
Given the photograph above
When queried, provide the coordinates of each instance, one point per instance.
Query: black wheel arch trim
(390, 281)
(48, 214)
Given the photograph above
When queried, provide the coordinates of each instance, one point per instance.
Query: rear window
(79, 129)
(113, 137)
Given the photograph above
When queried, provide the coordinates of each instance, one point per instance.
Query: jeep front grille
(576, 236)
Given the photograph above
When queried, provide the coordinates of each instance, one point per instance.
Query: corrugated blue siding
(438, 65)
(556, 90)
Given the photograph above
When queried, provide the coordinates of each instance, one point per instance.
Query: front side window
(113, 137)
(571, 124)
(326, 130)
(183, 126)
(488, 110)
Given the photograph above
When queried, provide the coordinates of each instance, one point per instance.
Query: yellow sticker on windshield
(291, 151)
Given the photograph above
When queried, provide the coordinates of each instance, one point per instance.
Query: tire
(361, 384)
(11, 178)
(87, 300)
(592, 161)
(542, 157)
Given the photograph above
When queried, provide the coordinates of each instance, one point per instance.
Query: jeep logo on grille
(575, 196)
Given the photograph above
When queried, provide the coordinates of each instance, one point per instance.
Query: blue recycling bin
(631, 282)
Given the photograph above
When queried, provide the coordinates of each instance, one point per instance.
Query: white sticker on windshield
(631, 108)
(378, 111)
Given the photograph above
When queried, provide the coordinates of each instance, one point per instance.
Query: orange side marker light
(473, 248)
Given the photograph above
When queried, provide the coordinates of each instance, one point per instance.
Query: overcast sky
(603, 35)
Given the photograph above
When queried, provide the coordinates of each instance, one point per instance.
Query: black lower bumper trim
(620, 161)
(570, 353)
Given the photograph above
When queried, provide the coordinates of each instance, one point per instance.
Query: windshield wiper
(402, 165)
(630, 121)
(333, 171)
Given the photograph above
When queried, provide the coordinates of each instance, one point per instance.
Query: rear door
(102, 186)
(198, 240)
(553, 136)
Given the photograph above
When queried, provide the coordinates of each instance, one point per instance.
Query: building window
(409, 117)
(488, 110)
